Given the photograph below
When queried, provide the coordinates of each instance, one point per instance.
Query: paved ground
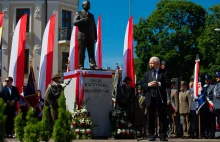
(140, 140)
(172, 140)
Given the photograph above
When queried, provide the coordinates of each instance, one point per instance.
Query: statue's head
(86, 5)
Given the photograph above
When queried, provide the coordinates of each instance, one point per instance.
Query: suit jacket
(165, 83)
(7, 97)
(86, 28)
(185, 102)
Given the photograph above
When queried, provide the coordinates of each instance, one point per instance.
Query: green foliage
(19, 126)
(32, 128)
(45, 125)
(82, 123)
(209, 42)
(2, 119)
(170, 33)
(62, 129)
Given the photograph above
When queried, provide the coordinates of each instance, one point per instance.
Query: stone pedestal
(98, 92)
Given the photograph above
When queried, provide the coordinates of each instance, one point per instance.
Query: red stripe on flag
(130, 55)
(99, 42)
(50, 48)
(77, 90)
(20, 56)
(1, 19)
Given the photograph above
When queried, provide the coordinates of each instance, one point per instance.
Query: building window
(65, 56)
(26, 61)
(66, 18)
(20, 12)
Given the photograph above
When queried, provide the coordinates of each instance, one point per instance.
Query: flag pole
(199, 120)
(129, 8)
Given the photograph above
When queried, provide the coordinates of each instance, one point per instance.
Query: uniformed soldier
(140, 112)
(192, 115)
(185, 102)
(206, 113)
(173, 110)
(216, 97)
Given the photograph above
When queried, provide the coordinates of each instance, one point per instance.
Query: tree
(45, 125)
(32, 128)
(62, 128)
(2, 119)
(170, 33)
(209, 42)
(19, 126)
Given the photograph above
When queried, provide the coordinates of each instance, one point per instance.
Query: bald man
(156, 81)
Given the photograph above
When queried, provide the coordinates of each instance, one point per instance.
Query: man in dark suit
(87, 35)
(10, 95)
(156, 81)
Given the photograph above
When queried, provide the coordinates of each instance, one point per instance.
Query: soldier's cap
(207, 77)
(56, 76)
(127, 79)
(140, 87)
(183, 83)
(217, 74)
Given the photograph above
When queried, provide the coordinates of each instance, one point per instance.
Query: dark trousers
(23, 109)
(153, 110)
(193, 122)
(10, 113)
(89, 44)
(53, 116)
(217, 112)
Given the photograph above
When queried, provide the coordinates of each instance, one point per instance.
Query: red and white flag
(128, 63)
(46, 60)
(16, 67)
(1, 24)
(98, 48)
(73, 54)
(196, 79)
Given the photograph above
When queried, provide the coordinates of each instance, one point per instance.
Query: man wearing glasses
(10, 95)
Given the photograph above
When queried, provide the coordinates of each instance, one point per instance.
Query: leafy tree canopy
(170, 33)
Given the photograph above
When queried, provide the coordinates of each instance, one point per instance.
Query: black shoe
(94, 67)
(163, 139)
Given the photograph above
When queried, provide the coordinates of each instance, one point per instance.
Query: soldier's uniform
(140, 113)
(173, 114)
(206, 114)
(184, 108)
(216, 98)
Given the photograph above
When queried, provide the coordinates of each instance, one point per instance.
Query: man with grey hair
(156, 81)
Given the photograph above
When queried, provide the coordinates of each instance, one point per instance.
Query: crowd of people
(158, 109)
(19, 103)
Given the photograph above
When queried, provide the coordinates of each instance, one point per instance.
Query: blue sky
(115, 15)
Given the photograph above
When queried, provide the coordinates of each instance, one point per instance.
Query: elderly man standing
(52, 94)
(156, 81)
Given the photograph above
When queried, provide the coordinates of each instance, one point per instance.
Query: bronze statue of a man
(87, 35)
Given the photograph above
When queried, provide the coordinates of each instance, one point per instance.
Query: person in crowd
(41, 100)
(52, 94)
(185, 103)
(23, 103)
(173, 110)
(156, 81)
(206, 113)
(10, 95)
(192, 114)
(216, 98)
(140, 112)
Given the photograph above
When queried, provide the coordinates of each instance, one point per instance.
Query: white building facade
(39, 12)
